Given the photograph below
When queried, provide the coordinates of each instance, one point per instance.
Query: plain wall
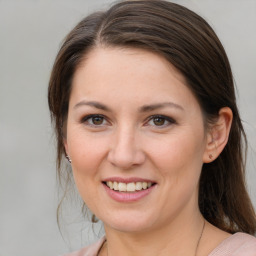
(30, 35)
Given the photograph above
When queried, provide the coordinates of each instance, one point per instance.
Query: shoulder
(239, 244)
(91, 250)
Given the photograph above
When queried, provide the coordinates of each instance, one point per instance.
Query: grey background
(30, 35)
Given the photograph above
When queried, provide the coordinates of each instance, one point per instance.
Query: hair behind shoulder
(188, 42)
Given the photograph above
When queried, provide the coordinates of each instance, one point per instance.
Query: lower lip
(127, 196)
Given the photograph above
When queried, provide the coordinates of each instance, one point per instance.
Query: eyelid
(87, 117)
(167, 118)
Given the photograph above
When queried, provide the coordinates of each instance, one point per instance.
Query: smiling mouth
(128, 187)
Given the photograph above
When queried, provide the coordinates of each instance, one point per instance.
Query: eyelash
(164, 118)
(151, 118)
(87, 118)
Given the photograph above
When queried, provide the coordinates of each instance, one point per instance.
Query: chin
(129, 227)
(129, 222)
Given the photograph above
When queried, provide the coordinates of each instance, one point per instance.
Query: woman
(144, 107)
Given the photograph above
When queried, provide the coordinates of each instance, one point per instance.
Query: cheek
(87, 154)
(177, 152)
(179, 162)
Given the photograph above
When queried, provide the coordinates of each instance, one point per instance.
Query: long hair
(188, 42)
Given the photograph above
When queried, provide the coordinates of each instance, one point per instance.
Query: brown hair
(189, 43)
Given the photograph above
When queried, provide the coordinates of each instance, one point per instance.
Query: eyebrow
(94, 104)
(145, 108)
(152, 107)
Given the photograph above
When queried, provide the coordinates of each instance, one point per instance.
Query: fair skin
(132, 119)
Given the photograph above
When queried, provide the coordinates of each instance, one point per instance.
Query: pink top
(239, 244)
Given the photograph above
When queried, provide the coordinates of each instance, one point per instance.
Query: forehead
(125, 73)
(106, 58)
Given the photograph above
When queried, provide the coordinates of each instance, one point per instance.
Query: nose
(126, 151)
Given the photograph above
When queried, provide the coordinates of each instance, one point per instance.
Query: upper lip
(128, 180)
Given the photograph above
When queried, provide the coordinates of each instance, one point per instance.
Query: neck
(181, 238)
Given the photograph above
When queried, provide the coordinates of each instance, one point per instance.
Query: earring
(68, 158)
(210, 156)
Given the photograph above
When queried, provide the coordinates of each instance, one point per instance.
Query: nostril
(126, 158)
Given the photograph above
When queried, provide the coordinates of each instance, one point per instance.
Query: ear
(64, 136)
(65, 145)
(217, 136)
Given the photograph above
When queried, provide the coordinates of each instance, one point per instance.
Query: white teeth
(122, 187)
(128, 187)
(144, 185)
(110, 184)
(138, 186)
(115, 185)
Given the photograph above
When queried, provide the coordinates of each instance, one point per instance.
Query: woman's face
(135, 134)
